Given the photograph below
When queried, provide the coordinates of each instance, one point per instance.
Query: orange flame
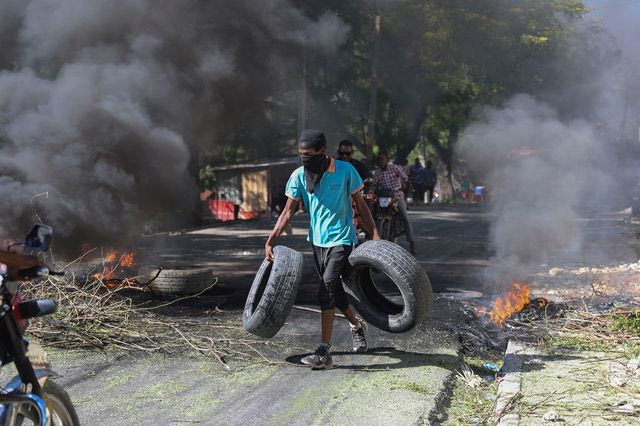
(113, 262)
(127, 261)
(111, 257)
(514, 301)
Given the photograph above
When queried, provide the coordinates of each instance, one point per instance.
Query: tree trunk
(446, 154)
(302, 98)
(373, 99)
(453, 139)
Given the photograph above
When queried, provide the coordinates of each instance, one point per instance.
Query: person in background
(416, 176)
(393, 177)
(430, 180)
(345, 153)
(478, 193)
(465, 188)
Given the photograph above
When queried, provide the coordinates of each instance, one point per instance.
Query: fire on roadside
(516, 299)
(117, 266)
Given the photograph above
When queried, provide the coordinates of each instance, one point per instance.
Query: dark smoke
(553, 158)
(103, 104)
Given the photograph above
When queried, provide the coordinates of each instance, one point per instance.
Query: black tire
(61, 409)
(180, 281)
(60, 406)
(397, 228)
(385, 228)
(273, 293)
(406, 274)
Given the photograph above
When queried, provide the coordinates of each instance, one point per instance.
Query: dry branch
(93, 315)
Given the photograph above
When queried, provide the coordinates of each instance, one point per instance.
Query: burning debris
(114, 264)
(516, 299)
(517, 306)
(488, 330)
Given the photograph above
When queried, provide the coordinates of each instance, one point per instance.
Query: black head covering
(311, 138)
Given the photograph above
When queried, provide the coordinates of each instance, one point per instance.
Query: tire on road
(273, 293)
(405, 272)
(180, 281)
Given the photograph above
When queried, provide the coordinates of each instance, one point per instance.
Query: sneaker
(320, 360)
(357, 335)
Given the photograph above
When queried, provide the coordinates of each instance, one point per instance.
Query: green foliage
(629, 322)
(206, 177)
(437, 61)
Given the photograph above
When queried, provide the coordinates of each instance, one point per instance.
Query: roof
(282, 162)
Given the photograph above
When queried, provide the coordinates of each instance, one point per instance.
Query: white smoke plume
(103, 102)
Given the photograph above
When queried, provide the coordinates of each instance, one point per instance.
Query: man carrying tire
(327, 187)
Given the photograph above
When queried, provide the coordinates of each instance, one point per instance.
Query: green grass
(577, 343)
(627, 322)
(415, 387)
(469, 405)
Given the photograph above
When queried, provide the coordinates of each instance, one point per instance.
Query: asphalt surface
(403, 379)
(399, 381)
(452, 244)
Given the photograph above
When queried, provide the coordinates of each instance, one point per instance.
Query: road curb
(510, 386)
(439, 412)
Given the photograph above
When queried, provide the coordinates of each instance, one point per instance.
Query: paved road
(401, 381)
(452, 247)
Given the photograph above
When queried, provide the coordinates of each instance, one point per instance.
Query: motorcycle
(387, 214)
(31, 397)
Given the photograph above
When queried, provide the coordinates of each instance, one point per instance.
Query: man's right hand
(268, 251)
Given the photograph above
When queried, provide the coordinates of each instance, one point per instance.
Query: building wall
(229, 185)
(255, 192)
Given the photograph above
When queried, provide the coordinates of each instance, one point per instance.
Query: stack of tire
(275, 287)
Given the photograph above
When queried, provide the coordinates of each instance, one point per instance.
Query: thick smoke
(102, 104)
(552, 160)
(542, 171)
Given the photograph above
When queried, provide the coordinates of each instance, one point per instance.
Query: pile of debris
(98, 310)
(487, 331)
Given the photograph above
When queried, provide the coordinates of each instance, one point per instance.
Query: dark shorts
(331, 264)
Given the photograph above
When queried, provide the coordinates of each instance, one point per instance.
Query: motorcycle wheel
(61, 409)
(397, 230)
(385, 228)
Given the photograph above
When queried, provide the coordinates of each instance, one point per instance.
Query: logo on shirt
(336, 186)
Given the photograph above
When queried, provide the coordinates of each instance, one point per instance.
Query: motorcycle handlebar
(38, 308)
(34, 272)
(20, 266)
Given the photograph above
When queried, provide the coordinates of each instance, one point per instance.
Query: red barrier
(222, 210)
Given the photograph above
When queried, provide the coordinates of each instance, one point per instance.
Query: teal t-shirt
(329, 206)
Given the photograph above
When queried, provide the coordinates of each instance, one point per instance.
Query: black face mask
(313, 163)
(314, 168)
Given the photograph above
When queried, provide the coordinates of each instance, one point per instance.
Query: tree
(459, 54)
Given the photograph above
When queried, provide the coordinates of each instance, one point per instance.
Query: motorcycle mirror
(39, 238)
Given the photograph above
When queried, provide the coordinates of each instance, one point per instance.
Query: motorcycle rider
(327, 188)
(393, 177)
(345, 153)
